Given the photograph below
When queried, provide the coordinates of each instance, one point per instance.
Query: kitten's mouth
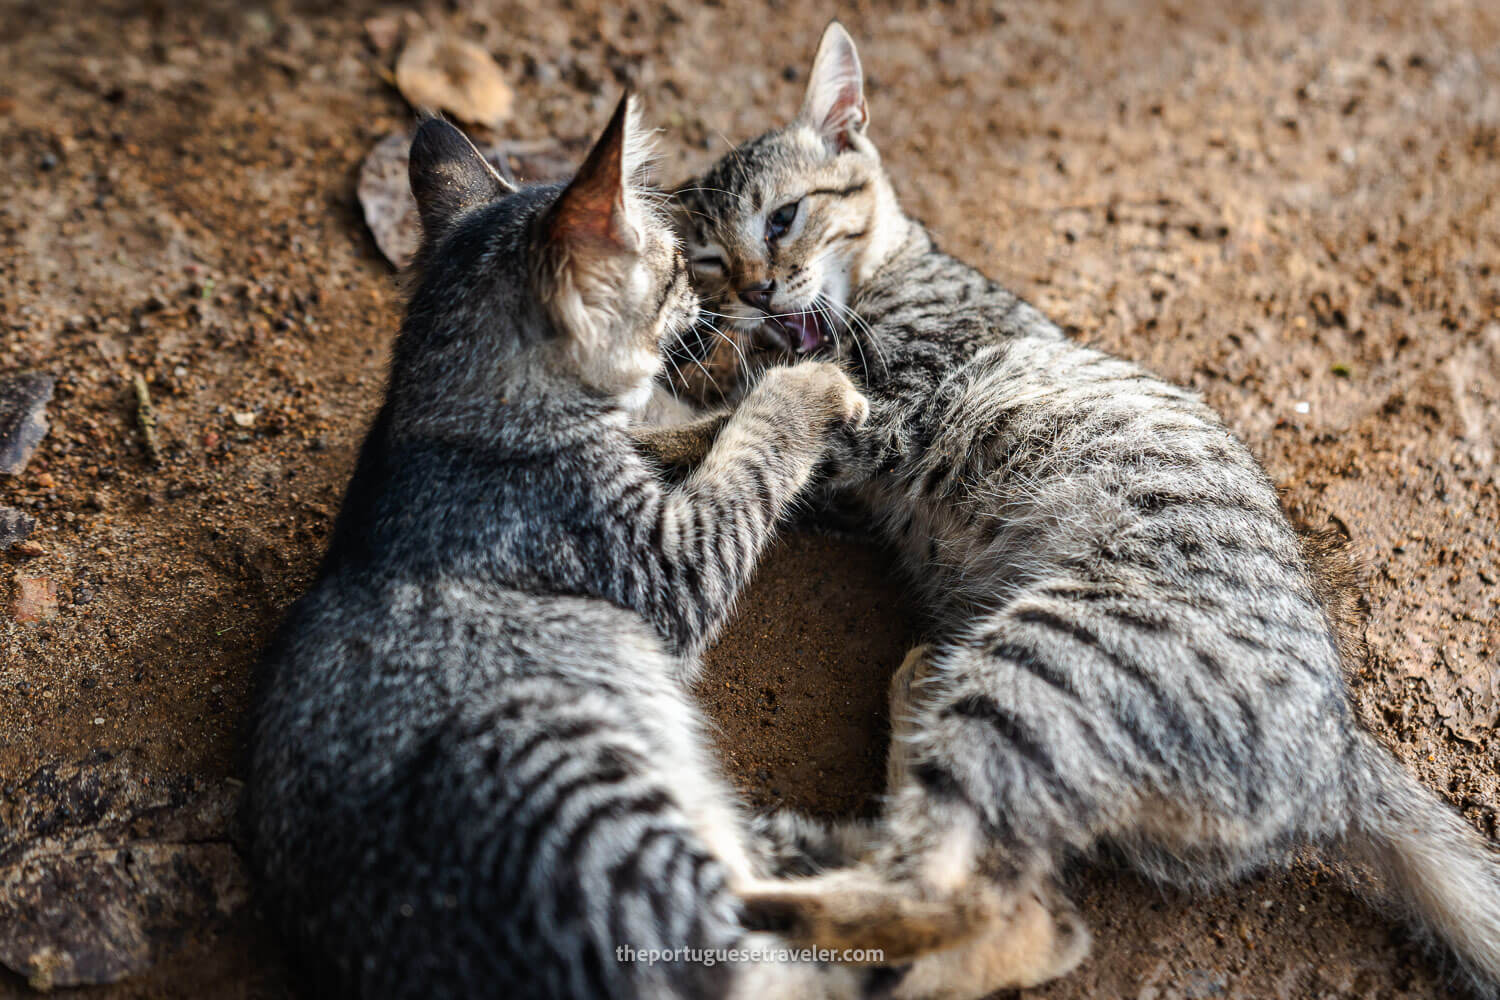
(799, 333)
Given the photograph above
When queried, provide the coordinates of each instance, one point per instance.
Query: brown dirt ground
(1280, 204)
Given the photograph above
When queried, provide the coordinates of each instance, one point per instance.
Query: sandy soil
(1289, 204)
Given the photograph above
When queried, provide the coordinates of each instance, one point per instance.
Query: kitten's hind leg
(936, 842)
(1032, 933)
(965, 942)
(931, 894)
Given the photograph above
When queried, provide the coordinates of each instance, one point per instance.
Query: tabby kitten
(475, 769)
(1130, 648)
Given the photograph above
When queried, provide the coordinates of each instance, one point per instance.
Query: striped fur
(1130, 646)
(475, 769)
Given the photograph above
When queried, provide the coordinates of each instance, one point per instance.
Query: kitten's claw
(858, 411)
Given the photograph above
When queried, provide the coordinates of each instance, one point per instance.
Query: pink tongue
(806, 334)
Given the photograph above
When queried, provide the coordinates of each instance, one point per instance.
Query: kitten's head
(542, 290)
(783, 230)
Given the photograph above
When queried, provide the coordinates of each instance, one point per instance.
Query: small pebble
(35, 599)
(14, 527)
(1303, 407)
(546, 73)
(243, 418)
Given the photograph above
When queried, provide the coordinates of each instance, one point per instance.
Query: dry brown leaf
(385, 196)
(438, 72)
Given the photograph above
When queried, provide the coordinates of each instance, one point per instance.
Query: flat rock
(14, 527)
(105, 869)
(23, 418)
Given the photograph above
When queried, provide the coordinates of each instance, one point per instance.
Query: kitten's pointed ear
(835, 99)
(591, 215)
(449, 175)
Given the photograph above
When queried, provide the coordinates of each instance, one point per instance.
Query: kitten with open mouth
(1132, 648)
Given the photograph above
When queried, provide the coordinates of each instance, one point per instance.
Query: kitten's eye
(779, 221)
(708, 263)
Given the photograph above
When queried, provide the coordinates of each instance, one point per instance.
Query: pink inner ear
(590, 214)
(846, 116)
(592, 209)
(835, 99)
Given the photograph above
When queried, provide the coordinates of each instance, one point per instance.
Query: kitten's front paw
(825, 385)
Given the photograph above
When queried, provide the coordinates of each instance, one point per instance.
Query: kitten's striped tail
(1432, 862)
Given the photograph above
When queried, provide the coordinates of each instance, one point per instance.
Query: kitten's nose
(759, 295)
